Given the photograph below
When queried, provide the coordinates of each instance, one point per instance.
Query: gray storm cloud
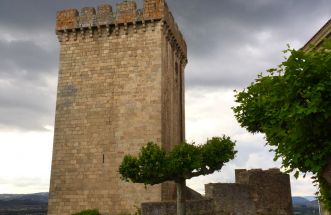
(229, 42)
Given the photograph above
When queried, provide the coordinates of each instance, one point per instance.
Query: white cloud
(302, 186)
(25, 161)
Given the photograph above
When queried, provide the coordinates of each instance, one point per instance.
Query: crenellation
(105, 9)
(87, 17)
(126, 12)
(273, 170)
(66, 19)
(89, 20)
(154, 9)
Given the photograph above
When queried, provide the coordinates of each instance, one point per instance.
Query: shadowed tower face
(121, 84)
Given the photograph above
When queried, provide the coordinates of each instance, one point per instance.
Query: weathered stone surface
(271, 190)
(231, 198)
(118, 89)
(255, 192)
(193, 207)
(66, 19)
(126, 14)
(318, 39)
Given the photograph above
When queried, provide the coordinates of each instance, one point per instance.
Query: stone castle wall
(231, 198)
(118, 89)
(193, 207)
(256, 192)
(271, 190)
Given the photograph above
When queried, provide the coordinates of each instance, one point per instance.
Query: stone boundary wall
(193, 207)
(93, 20)
(231, 198)
(256, 192)
(271, 190)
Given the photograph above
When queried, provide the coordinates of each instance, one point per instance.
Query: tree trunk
(323, 211)
(181, 200)
(327, 172)
(327, 176)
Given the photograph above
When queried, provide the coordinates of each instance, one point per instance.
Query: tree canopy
(291, 105)
(155, 165)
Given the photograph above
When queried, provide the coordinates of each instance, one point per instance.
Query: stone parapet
(256, 192)
(126, 14)
(270, 190)
(193, 207)
(231, 198)
(250, 176)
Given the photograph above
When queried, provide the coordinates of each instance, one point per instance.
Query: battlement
(244, 176)
(126, 14)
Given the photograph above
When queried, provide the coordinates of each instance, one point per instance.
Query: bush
(88, 212)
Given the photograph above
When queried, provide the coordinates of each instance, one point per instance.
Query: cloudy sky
(229, 43)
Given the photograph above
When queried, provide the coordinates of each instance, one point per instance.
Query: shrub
(88, 212)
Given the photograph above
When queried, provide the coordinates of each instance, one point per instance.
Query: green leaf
(291, 105)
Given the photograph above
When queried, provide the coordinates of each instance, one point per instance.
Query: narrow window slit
(103, 158)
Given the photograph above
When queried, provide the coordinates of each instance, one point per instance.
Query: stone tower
(121, 84)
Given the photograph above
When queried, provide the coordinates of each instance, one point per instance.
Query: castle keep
(121, 85)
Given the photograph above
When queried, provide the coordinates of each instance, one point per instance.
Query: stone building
(120, 85)
(319, 37)
(256, 192)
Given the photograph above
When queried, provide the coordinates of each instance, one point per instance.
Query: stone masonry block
(87, 17)
(126, 11)
(105, 9)
(66, 19)
(153, 9)
(105, 14)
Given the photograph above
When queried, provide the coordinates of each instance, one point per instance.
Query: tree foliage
(291, 105)
(155, 165)
(88, 212)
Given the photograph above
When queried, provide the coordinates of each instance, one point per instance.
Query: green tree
(155, 165)
(291, 105)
